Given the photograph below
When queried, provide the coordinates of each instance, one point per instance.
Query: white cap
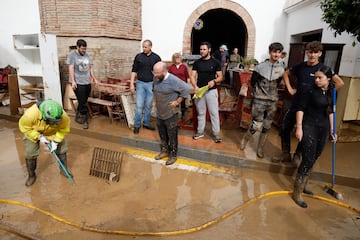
(224, 47)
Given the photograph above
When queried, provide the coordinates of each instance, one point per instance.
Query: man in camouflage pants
(264, 80)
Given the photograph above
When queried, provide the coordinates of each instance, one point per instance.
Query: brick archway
(225, 4)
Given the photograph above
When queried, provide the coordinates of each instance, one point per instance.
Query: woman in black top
(314, 124)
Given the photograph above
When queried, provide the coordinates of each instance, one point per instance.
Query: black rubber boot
(161, 155)
(31, 166)
(284, 157)
(172, 154)
(306, 190)
(79, 118)
(171, 160)
(262, 141)
(163, 152)
(85, 123)
(63, 159)
(299, 186)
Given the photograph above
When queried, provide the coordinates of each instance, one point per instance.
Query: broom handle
(62, 166)
(334, 143)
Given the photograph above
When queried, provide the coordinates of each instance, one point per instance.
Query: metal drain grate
(106, 164)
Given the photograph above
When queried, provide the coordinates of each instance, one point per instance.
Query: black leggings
(312, 145)
(286, 127)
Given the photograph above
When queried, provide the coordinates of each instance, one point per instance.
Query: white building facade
(249, 25)
(167, 23)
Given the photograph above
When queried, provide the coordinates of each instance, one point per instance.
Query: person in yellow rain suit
(44, 122)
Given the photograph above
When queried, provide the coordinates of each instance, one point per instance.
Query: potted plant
(248, 63)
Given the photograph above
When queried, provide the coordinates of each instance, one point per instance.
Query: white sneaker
(198, 136)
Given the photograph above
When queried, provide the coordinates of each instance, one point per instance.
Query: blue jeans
(144, 99)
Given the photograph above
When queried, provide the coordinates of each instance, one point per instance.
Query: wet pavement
(190, 195)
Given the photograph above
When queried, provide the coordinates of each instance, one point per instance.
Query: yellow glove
(201, 92)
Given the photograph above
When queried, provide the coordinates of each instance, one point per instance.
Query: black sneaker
(136, 130)
(218, 139)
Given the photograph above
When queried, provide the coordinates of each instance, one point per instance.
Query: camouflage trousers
(263, 111)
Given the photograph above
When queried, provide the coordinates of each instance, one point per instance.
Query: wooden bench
(102, 102)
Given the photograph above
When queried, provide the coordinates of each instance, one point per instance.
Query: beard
(161, 77)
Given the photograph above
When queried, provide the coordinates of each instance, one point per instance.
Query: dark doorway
(220, 26)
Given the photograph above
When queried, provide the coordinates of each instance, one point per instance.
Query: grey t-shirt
(81, 67)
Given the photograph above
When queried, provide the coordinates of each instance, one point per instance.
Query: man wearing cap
(223, 56)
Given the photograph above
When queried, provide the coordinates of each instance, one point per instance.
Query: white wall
(163, 22)
(17, 17)
(270, 24)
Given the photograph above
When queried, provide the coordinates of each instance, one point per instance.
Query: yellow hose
(170, 233)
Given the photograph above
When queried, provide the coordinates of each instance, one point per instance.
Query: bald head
(159, 66)
(160, 70)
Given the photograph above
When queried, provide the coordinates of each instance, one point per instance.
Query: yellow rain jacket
(32, 125)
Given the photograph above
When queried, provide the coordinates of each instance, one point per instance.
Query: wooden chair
(229, 108)
(118, 109)
(237, 107)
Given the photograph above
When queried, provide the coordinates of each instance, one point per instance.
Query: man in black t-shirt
(206, 71)
(142, 73)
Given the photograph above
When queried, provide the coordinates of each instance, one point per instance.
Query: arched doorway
(220, 26)
(225, 22)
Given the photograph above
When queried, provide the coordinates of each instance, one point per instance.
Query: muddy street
(153, 198)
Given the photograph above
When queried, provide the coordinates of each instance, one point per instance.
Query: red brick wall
(112, 58)
(112, 30)
(116, 18)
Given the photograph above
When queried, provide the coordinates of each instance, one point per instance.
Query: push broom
(330, 188)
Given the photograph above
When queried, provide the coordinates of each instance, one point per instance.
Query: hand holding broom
(201, 92)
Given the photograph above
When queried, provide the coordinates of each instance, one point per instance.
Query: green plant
(248, 61)
(342, 16)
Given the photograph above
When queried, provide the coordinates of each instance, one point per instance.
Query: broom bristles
(334, 193)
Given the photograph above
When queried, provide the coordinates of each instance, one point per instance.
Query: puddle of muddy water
(152, 197)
